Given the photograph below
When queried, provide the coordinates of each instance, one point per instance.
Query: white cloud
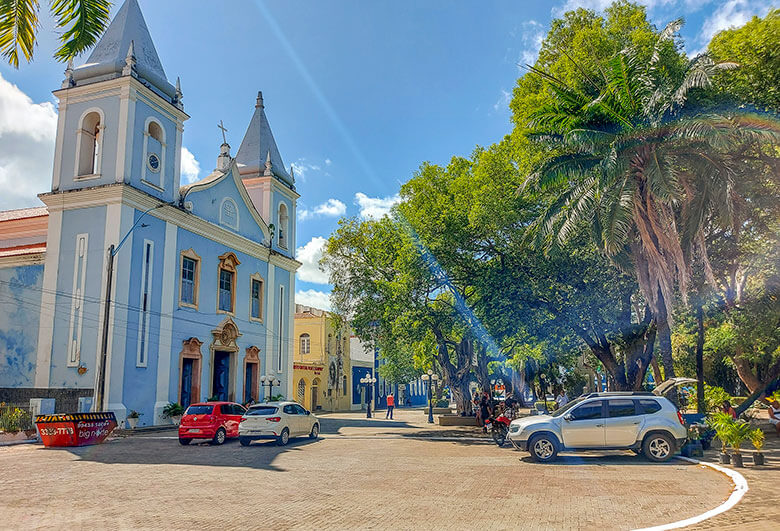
(313, 298)
(533, 34)
(301, 168)
(503, 101)
(190, 167)
(731, 14)
(330, 208)
(310, 255)
(375, 207)
(27, 133)
(601, 5)
(328, 162)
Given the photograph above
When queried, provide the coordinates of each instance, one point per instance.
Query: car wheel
(219, 437)
(543, 448)
(658, 447)
(184, 442)
(245, 441)
(315, 431)
(283, 438)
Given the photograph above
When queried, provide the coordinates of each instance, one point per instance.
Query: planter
(75, 429)
(693, 449)
(758, 459)
(176, 420)
(724, 458)
(456, 420)
(736, 460)
(132, 422)
(6, 437)
(439, 411)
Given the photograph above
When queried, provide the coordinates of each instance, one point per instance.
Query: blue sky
(358, 93)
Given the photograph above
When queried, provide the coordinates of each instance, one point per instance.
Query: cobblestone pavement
(362, 474)
(760, 507)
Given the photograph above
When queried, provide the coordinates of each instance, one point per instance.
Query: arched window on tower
(283, 228)
(89, 145)
(154, 153)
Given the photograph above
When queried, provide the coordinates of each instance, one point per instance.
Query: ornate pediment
(253, 354)
(225, 334)
(191, 346)
(228, 261)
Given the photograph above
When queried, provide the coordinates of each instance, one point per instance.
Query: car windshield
(261, 410)
(199, 410)
(560, 411)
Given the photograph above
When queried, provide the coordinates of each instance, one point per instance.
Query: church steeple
(126, 48)
(258, 153)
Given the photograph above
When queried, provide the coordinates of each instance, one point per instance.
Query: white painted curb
(740, 488)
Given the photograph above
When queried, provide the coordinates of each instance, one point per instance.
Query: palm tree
(81, 22)
(630, 160)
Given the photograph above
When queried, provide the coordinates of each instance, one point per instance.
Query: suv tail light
(242, 420)
(274, 419)
(680, 417)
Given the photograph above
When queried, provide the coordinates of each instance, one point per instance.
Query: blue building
(203, 278)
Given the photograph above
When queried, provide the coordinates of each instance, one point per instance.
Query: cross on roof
(220, 126)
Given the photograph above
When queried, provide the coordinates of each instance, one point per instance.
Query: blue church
(129, 291)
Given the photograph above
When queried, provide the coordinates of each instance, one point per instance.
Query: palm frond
(83, 22)
(18, 26)
(667, 34)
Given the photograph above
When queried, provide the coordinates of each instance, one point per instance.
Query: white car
(278, 421)
(637, 421)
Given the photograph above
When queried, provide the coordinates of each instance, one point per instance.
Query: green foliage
(134, 414)
(14, 419)
(276, 398)
(739, 432)
(757, 438)
(721, 422)
(713, 398)
(173, 409)
(81, 22)
(754, 47)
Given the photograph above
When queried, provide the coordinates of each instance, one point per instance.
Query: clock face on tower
(153, 161)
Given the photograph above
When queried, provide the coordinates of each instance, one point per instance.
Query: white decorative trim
(165, 350)
(222, 219)
(144, 310)
(740, 489)
(290, 331)
(270, 320)
(21, 260)
(80, 255)
(48, 300)
(282, 338)
(80, 135)
(57, 170)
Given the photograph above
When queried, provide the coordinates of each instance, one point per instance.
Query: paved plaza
(360, 474)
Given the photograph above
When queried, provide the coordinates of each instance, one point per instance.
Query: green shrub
(713, 398)
(173, 409)
(443, 403)
(541, 403)
(13, 420)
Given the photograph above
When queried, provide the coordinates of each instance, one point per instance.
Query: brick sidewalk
(362, 474)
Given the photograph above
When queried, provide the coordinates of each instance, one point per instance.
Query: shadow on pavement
(150, 450)
(597, 459)
(333, 426)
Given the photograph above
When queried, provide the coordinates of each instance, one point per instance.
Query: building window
(256, 298)
(145, 303)
(189, 279)
(77, 300)
(345, 385)
(283, 229)
(154, 154)
(301, 390)
(305, 344)
(89, 143)
(226, 291)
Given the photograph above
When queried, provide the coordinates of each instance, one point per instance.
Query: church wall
(108, 105)
(20, 300)
(89, 221)
(139, 168)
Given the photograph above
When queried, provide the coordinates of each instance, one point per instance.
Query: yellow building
(321, 362)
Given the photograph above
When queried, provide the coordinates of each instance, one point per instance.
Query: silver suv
(637, 421)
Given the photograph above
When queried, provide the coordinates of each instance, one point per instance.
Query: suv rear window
(261, 410)
(199, 410)
(647, 407)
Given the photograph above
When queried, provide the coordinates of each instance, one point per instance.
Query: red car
(210, 420)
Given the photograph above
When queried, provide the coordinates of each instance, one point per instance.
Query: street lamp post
(369, 382)
(270, 381)
(430, 378)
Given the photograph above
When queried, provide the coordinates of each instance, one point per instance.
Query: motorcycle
(498, 428)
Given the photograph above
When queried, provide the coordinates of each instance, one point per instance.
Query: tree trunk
(665, 345)
(657, 376)
(700, 406)
(745, 371)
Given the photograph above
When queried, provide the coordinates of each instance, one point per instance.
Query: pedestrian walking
(390, 406)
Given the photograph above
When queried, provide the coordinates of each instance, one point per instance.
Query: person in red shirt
(728, 409)
(390, 406)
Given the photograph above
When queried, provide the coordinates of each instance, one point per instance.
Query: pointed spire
(68, 81)
(259, 104)
(292, 172)
(178, 96)
(224, 160)
(268, 171)
(130, 61)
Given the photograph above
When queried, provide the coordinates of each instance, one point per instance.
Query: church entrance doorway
(186, 381)
(221, 382)
(250, 382)
(189, 371)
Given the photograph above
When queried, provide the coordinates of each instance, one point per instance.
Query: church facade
(200, 278)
